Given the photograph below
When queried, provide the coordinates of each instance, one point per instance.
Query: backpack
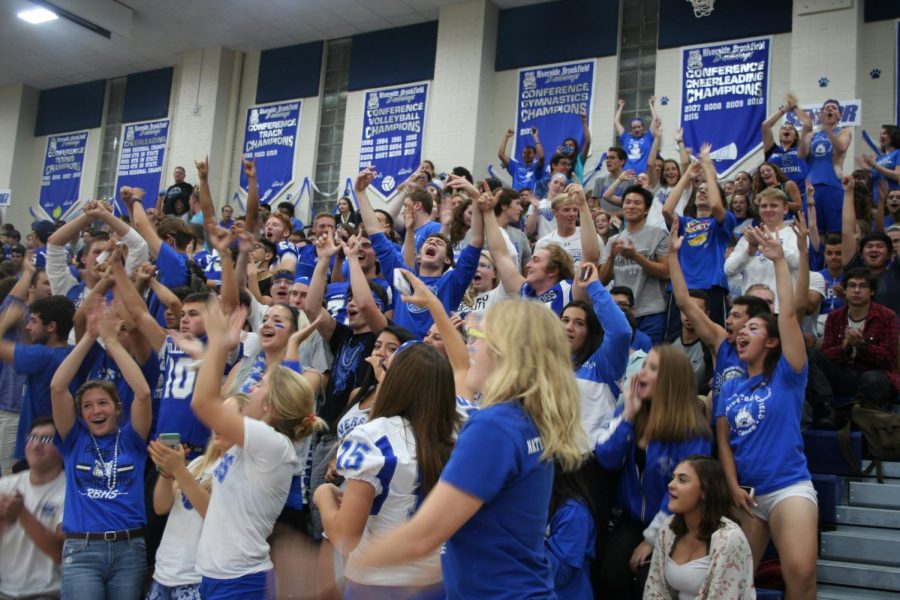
(197, 278)
(881, 432)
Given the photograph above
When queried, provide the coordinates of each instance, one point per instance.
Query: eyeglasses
(39, 439)
(473, 334)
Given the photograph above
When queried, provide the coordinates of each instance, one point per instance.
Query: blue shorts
(245, 587)
(829, 204)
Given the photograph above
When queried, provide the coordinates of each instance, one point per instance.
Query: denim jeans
(98, 569)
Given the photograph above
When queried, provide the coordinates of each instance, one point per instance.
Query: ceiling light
(36, 16)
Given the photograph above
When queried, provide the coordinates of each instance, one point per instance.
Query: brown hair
(98, 384)
(560, 260)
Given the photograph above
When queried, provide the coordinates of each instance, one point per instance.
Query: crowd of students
(474, 390)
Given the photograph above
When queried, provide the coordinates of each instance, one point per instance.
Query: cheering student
(827, 148)
(491, 503)
(790, 153)
(758, 430)
(104, 555)
(526, 172)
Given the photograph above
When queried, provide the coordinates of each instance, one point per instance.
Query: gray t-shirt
(695, 354)
(649, 292)
(600, 186)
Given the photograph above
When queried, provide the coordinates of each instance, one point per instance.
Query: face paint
(279, 326)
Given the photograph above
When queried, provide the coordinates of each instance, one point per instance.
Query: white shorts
(766, 502)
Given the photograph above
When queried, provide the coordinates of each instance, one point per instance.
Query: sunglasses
(39, 439)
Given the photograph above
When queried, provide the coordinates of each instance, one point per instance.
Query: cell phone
(584, 273)
(172, 440)
(749, 489)
(401, 284)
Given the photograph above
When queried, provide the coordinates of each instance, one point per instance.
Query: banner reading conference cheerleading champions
(393, 124)
(61, 177)
(724, 96)
(269, 138)
(141, 158)
(552, 98)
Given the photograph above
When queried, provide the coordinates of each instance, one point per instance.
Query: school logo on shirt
(418, 309)
(747, 411)
(222, 468)
(47, 510)
(535, 445)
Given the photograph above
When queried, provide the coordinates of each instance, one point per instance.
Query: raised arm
(684, 154)
(768, 139)
(138, 252)
(590, 241)
(315, 296)
(656, 130)
(848, 222)
(716, 203)
(586, 132)
(617, 120)
(668, 209)
(501, 153)
(651, 102)
(134, 198)
(362, 294)
(61, 400)
(206, 203)
(145, 322)
(141, 413)
(507, 271)
(252, 221)
(409, 237)
(708, 330)
(801, 285)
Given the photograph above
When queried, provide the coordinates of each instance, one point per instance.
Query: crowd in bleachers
(554, 387)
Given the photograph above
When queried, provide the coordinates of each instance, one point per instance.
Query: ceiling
(62, 53)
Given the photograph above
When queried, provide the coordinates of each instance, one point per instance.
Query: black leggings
(601, 485)
(617, 582)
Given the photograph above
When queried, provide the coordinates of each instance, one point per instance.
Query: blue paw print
(875, 73)
(664, 100)
(824, 81)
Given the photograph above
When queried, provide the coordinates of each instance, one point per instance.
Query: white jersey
(353, 418)
(250, 488)
(25, 569)
(382, 453)
(176, 558)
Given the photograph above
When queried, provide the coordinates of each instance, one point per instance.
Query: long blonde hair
(212, 454)
(469, 297)
(534, 364)
(292, 400)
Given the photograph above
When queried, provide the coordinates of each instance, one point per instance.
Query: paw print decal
(664, 100)
(824, 81)
(875, 73)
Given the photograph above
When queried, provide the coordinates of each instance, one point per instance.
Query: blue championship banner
(393, 124)
(61, 177)
(269, 138)
(141, 159)
(724, 97)
(552, 98)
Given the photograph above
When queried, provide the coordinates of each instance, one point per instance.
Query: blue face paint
(279, 326)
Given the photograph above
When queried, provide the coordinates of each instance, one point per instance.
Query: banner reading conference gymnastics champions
(269, 138)
(552, 98)
(723, 100)
(61, 177)
(141, 158)
(393, 123)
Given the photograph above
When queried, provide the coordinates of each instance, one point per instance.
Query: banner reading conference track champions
(724, 97)
(141, 158)
(552, 98)
(61, 177)
(269, 138)
(393, 122)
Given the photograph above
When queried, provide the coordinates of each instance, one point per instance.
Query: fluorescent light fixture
(36, 16)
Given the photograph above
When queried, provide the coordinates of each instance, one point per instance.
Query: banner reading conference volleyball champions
(61, 177)
(393, 123)
(723, 100)
(141, 158)
(552, 98)
(269, 138)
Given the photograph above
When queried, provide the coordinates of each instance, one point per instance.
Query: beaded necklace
(111, 468)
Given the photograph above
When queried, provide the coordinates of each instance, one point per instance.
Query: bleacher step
(888, 469)
(868, 517)
(855, 574)
(861, 545)
(883, 495)
(836, 592)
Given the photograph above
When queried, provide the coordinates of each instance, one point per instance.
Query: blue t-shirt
(888, 161)
(764, 427)
(728, 366)
(499, 553)
(39, 258)
(175, 415)
(790, 163)
(38, 363)
(172, 268)
(637, 150)
(830, 301)
(641, 341)
(524, 175)
(702, 254)
(98, 364)
(570, 548)
(820, 160)
(105, 492)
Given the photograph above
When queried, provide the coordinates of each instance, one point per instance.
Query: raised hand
(705, 152)
(590, 275)
(847, 183)
(169, 460)
(421, 295)
(249, 168)
(769, 243)
(325, 246)
(791, 102)
(219, 237)
(679, 135)
(364, 178)
(510, 133)
(110, 324)
(675, 240)
(633, 401)
(457, 182)
(202, 168)
(801, 231)
(621, 103)
(576, 192)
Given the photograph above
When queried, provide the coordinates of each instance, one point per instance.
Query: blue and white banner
(723, 100)
(392, 134)
(141, 159)
(5, 198)
(61, 178)
(551, 99)
(897, 74)
(851, 114)
(269, 138)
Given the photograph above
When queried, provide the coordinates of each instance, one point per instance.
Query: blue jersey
(570, 548)
(175, 415)
(499, 552)
(637, 150)
(641, 341)
(702, 254)
(763, 417)
(790, 163)
(830, 301)
(104, 480)
(524, 175)
(38, 363)
(821, 160)
(555, 298)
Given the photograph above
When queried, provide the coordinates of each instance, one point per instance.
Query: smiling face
(99, 411)
(753, 341)
(434, 339)
(41, 454)
(276, 329)
(739, 206)
(602, 223)
(566, 215)
(875, 254)
(574, 322)
(634, 209)
(637, 128)
(772, 211)
(685, 489)
(647, 376)
(670, 173)
(537, 269)
(767, 174)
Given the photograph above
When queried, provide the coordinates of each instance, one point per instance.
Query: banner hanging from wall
(724, 98)
(269, 138)
(551, 99)
(61, 177)
(897, 74)
(392, 134)
(851, 114)
(141, 158)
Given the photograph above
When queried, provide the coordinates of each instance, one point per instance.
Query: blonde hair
(292, 400)
(560, 199)
(771, 192)
(469, 298)
(559, 259)
(212, 454)
(534, 365)
(674, 414)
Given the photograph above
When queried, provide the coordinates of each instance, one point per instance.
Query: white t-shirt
(546, 220)
(176, 558)
(571, 244)
(817, 285)
(24, 569)
(250, 488)
(484, 300)
(655, 216)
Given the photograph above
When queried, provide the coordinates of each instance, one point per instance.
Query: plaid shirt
(879, 352)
